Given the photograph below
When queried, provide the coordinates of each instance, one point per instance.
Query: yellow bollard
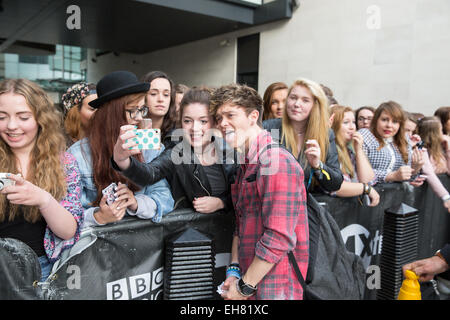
(410, 289)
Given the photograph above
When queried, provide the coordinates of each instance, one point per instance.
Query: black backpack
(333, 272)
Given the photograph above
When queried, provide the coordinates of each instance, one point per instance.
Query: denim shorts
(46, 267)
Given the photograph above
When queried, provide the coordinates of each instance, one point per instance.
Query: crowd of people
(224, 148)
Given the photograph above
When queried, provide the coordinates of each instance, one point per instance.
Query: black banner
(362, 226)
(126, 260)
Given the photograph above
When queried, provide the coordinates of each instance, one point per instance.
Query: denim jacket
(154, 201)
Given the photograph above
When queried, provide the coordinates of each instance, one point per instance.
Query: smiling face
(348, 126)
(235, 124)
(158, 97)
(18, 126)
(299, 104)
(278, 103)
(196, 122)
(387, 126)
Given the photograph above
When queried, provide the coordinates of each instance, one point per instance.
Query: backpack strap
(297, 270)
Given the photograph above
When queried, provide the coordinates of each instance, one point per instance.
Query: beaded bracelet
(234, 270)
(233, 273)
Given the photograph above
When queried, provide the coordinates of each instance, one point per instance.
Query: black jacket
(187, 179)
(331, 165)
(445, 251)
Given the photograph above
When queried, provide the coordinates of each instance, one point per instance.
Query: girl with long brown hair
(160, 101)
(195, 167)
(275, 100)
(436, 156)
(443, 113)
(43, 208)
(120, 101)
(437, 143)
(387, 146)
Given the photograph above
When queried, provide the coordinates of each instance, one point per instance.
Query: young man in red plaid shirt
(269, 199)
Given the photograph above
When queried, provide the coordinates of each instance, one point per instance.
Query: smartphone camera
(420, 145)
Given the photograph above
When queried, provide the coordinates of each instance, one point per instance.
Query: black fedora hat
(117, 84)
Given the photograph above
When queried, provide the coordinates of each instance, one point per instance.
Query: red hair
(103, 134)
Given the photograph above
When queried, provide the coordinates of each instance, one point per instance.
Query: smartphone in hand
(366, 200)
(109, 192)
(147, 139)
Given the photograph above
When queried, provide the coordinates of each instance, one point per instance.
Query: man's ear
(254, 116)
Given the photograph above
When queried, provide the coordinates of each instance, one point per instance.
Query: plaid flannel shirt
(270, 204)
(381, 159)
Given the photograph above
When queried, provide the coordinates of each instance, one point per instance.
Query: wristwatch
(366, 188)
(245, 289)
(446, 198)
(439, 254)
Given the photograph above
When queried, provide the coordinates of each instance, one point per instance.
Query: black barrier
(362, 226)
(19, 270)
(125, 260)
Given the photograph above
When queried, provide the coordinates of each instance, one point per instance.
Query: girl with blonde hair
(43, 208)
(304, 130)
(355, 166)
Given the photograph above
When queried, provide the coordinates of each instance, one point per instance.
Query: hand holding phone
(420, 144)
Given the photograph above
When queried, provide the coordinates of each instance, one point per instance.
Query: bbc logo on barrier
(144, 286)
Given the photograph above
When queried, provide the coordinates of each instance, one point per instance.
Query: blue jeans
(46, 267)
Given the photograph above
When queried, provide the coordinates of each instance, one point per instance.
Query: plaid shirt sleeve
(283, 206)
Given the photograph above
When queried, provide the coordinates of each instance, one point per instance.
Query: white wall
(407, 59)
